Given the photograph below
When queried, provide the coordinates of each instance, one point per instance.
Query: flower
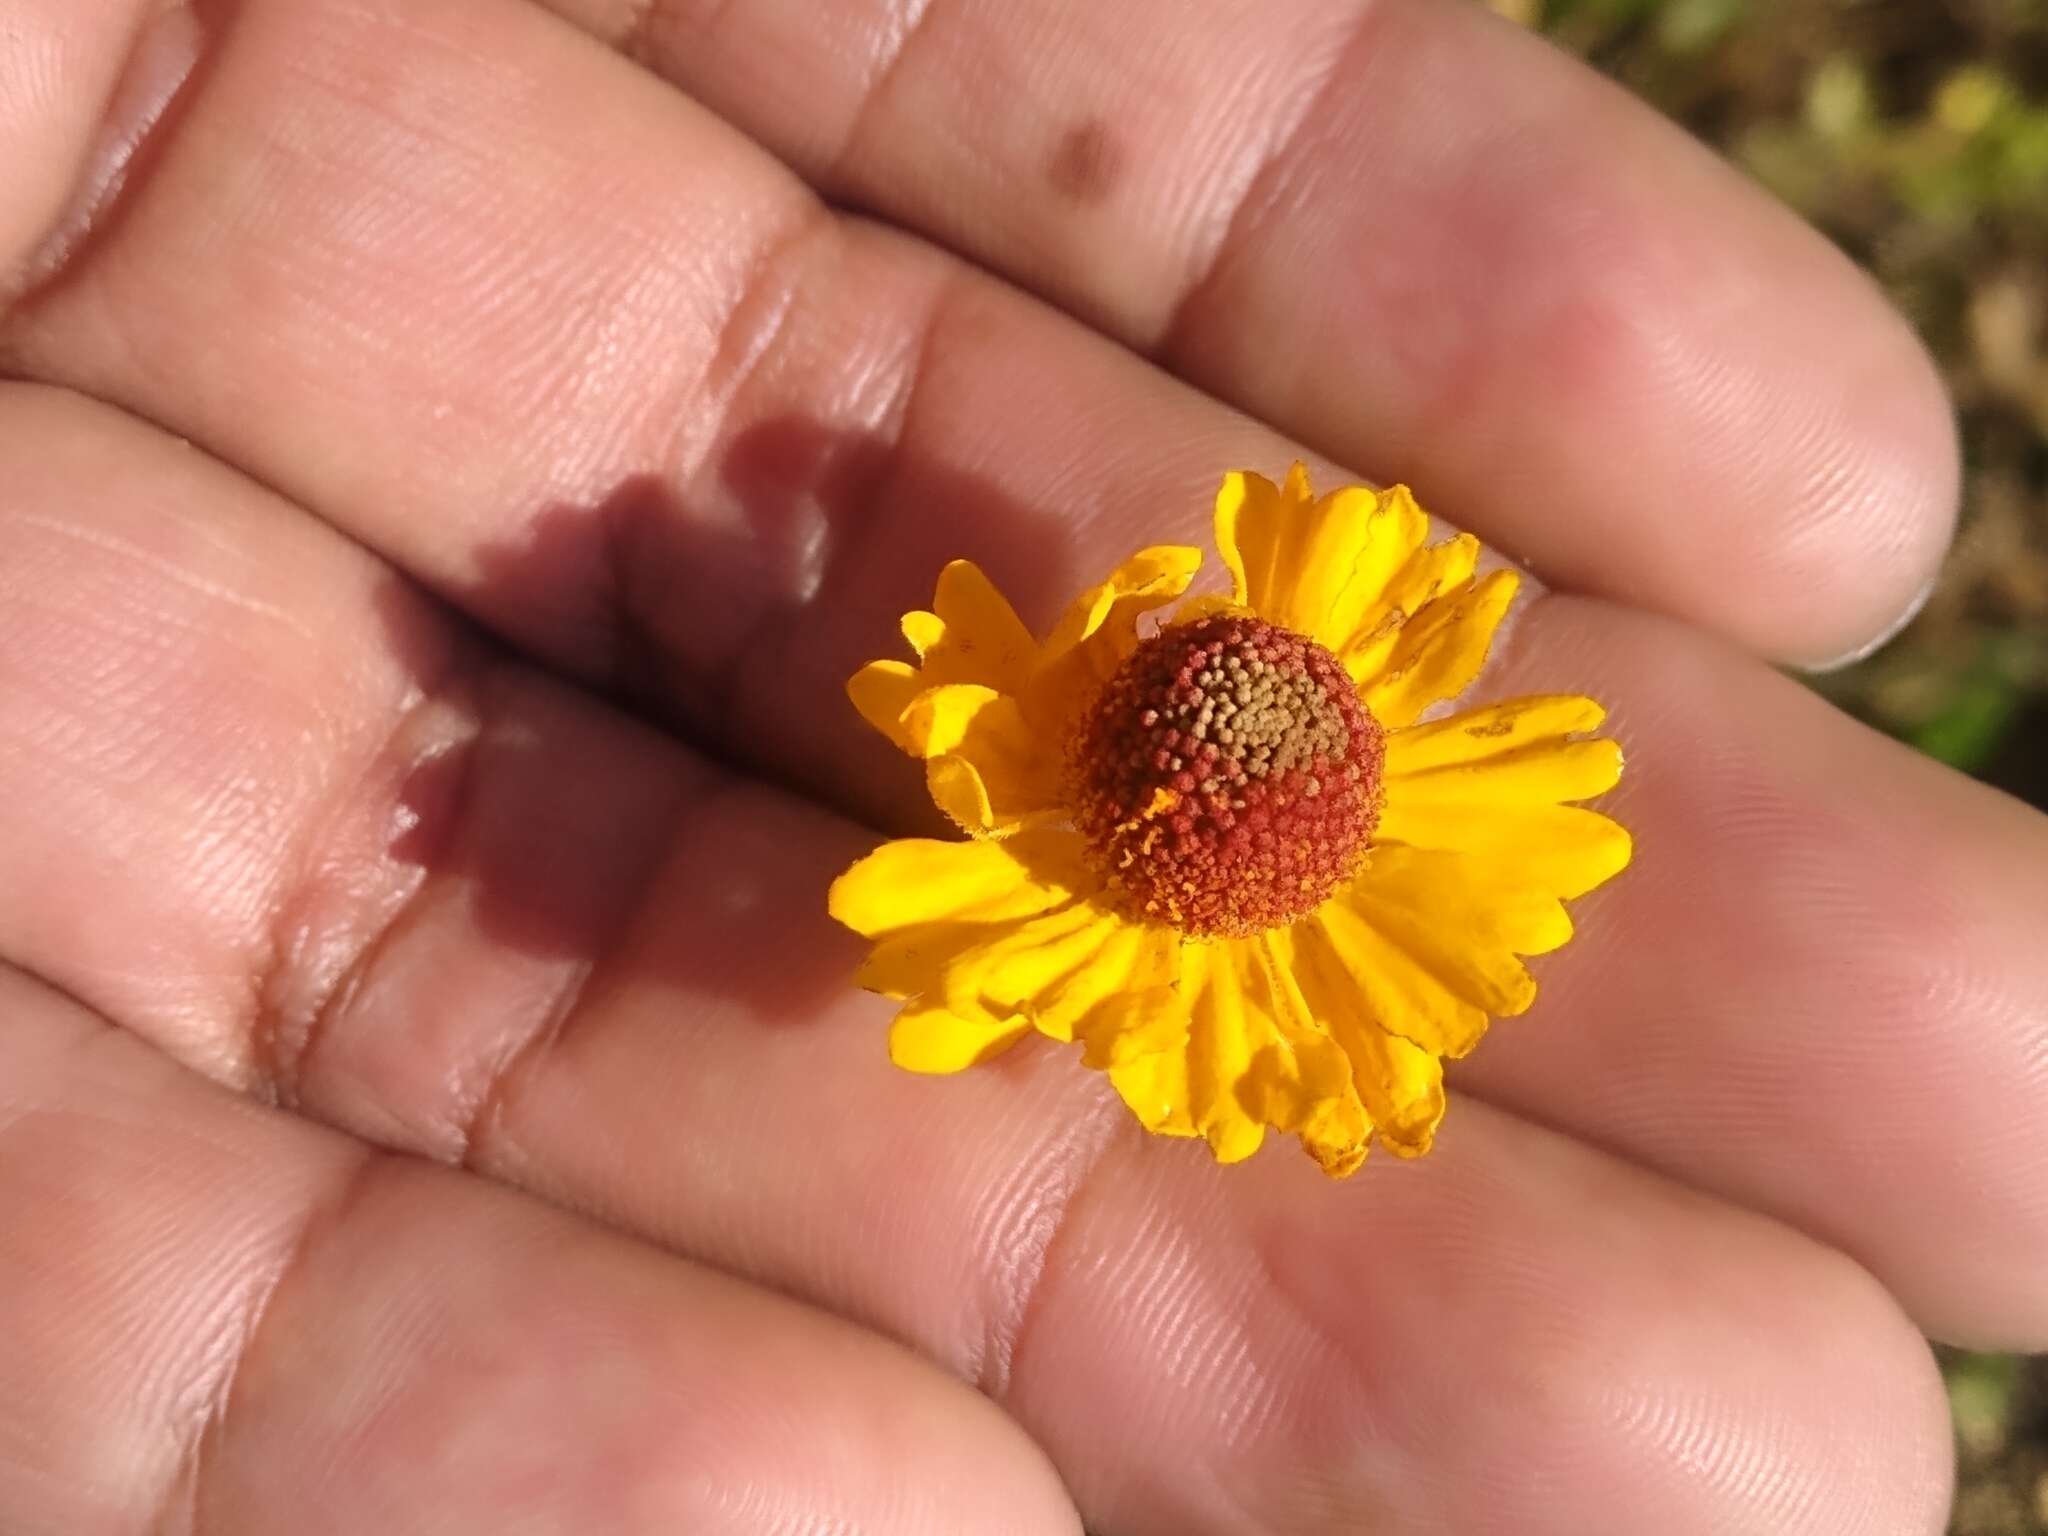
(1225, 852)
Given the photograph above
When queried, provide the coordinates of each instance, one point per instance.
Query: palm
(454, 751)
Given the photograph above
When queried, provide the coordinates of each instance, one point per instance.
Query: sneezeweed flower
(1221, 848)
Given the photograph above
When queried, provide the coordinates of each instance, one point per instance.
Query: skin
(451, 455)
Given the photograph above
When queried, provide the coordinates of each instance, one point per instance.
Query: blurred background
(1914, 133)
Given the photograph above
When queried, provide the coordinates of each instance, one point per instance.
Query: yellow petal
(1338, 1136)
(1541, 773)
(1453, 907)
(1400, 1083)
(1155, 1083)
(1391, 566)
(923, 1039)
(911, 963)
(1403, 995)
(1135, 960)
(926, 880)
(1100, 628)
(1006, 967)
(1192, 1090)
(1251, 517)
(1474, 735)
(989, 767)
(1313, 566)
(1489, 782)
(1432, 942)
(1440, 650)
(1150, 579)
(925, 631)
(1072, 965)
(959, 791)
(1423, 577)
(1122, 1028)
(951, 961)
(1402, 1086)
(972, 635)
(1558, 849)
(940, 719)
(1205, 606)
(1221, 1044)
(1301, 1079)
(882, 691)
(1230, 1049)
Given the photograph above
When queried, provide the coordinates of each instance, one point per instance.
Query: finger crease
(760, 314)
(479, 1119)
(1066, 1178)
(285, 1027)
(764, 647)
(635, 602)
(183, 1509)
(639, 32)
(909, 29)
(479, 1124)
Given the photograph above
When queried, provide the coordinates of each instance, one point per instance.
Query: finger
(780, 680)
(1411, 236)
(695, 1069)
(1819, 989)
(222, 1319)
(647, 410)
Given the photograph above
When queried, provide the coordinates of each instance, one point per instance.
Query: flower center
(1227, 778)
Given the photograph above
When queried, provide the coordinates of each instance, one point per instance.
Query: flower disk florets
(1227, 779)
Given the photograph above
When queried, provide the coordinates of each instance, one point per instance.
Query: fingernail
(1881, 639)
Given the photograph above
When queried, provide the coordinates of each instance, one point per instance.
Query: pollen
(1227, 778)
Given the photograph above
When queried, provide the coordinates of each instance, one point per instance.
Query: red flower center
(1227, 779)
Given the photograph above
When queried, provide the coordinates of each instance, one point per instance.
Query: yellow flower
(1223, 852)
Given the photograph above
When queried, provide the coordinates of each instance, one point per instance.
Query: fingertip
(1874, 516)
(85, 88)
(1864, 649)
(1798, 435)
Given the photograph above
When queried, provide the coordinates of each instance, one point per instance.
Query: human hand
(450, 475)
